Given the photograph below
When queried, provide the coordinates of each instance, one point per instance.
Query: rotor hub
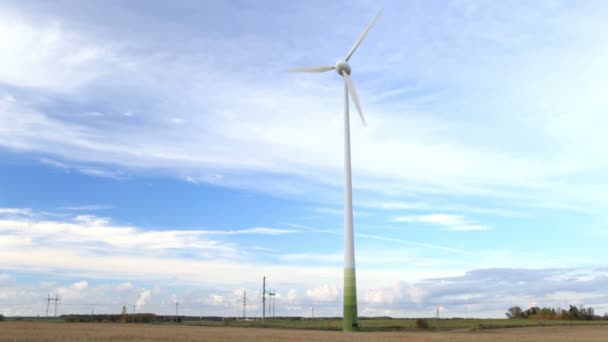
(342, 66)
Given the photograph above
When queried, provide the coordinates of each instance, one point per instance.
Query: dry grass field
(45, 331)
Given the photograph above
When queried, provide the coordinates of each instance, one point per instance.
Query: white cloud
(447, 220)
(92, 231)
(312, 257)
(262, 230)
(214, 299)
(324, 293)
(450, 222)
(5, 279)
(388, 257)
(467, 294)
(125, 287)
(105, 250)
(54, 163)
(43, 53)
(413, 243)
(47, 284)
(91, 171)
(544, 149)
(331, 211)
(392, 205)
(41, 245)
(92, 114)
(90, 207)
(87, 170)
(81, 285)
(16, 211)
(292, 295)
(264, 249)
(334, 211)
(413, 148)
(144, 296)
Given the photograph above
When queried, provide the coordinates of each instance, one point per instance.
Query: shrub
(422, 324)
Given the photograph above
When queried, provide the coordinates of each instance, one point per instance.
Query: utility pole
(176, 309)
(264, 298)
(271, 306)
(313, 313)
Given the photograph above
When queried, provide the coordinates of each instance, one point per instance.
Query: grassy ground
(397, 324)
(25, 331)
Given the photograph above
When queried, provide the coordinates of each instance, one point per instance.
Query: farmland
(461, 330)
(374, 325)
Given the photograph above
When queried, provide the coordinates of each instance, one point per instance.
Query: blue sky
(155, 151)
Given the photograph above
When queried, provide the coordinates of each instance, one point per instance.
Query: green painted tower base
(350, 321)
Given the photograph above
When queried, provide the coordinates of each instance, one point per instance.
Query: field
(374, 325)
(55, 331)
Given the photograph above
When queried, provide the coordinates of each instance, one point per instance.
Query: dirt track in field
(43, 331)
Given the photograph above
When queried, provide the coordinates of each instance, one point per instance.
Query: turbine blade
(362, 36)
(353, 93)
(313, 69)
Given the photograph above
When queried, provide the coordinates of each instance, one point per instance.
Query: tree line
(573, 313)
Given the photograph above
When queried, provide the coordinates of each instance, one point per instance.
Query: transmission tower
(56, 299)
(269, 303)
(437, 318)
(124, 317)
(271, 306)
(263, 298)
(48, 302)
(244, 305)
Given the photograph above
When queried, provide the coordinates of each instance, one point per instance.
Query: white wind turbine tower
(350, 321)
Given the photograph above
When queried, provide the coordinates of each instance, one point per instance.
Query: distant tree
(532, 312)
(586, 314)
(515, 313)
(544, 313)
(574, 313)
(1, 317)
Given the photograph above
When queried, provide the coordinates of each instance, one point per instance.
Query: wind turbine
(350, 321)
